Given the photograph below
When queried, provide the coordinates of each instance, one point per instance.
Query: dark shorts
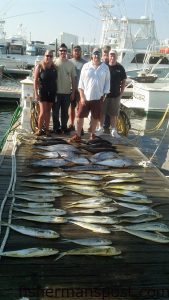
(93, 106)
(46, 96)
(76, 99)
(111, 106)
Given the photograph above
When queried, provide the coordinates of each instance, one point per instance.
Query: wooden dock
(140, 272)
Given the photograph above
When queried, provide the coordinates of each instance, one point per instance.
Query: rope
(15, 118)
(158, 126)
(11, 187)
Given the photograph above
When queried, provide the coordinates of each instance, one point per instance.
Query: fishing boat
(135, 41)
(150, 94)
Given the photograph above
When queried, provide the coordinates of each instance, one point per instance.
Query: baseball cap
(112, 51)
(96, 51)
(77, 47)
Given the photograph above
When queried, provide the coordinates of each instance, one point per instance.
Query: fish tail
(64, 241)
(60, 256)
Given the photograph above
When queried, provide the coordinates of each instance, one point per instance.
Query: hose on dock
(15, 117)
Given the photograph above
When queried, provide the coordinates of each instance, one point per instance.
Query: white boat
(135, 41)
(150, 94)
(35, 48)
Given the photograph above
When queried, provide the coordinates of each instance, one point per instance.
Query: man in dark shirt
(111, 106)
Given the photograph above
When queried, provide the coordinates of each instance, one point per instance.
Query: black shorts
(47, 96)
(76, 99)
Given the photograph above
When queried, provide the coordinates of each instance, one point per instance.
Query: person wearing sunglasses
(78, 62)
(66, 85)
(94, 83)
(45, 88)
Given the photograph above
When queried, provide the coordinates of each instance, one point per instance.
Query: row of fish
(83, 174)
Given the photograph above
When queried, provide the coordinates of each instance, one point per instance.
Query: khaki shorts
(93, 106)
(111, 106)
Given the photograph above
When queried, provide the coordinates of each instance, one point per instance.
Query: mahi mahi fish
(151, 236)
(96, 251)
(148, 226)
(42, 211)
(43, 219)
(90, 241)
(41, 185)
(126, 187)
(33, 205)
(92, 227)
(102, 209)
(33, 231)
(121, 180)
(30, 252)
(92, 219)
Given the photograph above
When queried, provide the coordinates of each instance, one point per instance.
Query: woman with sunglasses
(45, 90)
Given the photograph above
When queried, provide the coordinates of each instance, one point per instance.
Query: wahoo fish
(33, 231)
(30, 252)
(148, 226)
(42, 211)
(151, 236)
(90, 241)
(126, 187)
(50, 163)
(116, 163)
(92, 227)
(96, 251)
(92, 219)
(43, 219)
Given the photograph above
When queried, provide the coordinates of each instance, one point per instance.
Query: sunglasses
(63, 50)
(49, 56)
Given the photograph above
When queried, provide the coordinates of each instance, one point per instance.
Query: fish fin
(60, 256)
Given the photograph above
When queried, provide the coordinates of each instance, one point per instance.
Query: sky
(44, 20)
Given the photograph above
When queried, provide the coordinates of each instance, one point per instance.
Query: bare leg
(80, 122)
(113, 121)
(72, 116)
(47, 114)
(41, 118)
(94, 123)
